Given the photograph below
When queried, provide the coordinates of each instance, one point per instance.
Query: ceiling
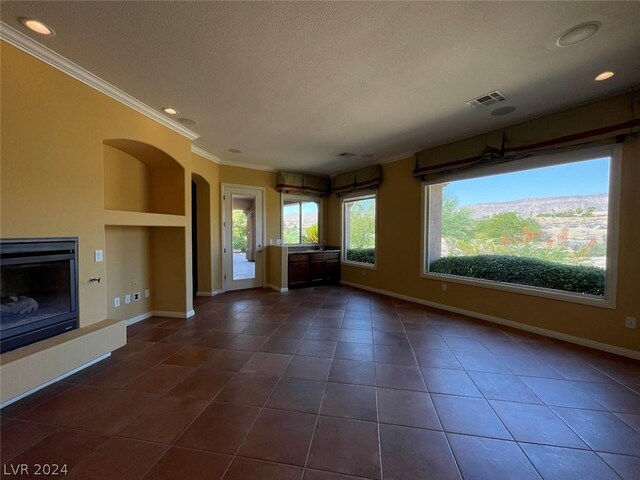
(293, 84)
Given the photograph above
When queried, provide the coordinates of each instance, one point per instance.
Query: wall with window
(398, 262)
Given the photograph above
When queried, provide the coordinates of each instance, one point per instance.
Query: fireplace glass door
(38, 292)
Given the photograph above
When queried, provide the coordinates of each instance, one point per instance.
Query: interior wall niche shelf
(124, 218)
(139, 177)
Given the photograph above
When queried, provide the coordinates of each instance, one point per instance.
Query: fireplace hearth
(39, 289)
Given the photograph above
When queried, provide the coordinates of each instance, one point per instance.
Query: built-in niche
(145, 229)
(142, 178)
(149, 261)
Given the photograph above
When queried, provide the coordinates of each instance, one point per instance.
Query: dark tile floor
(334, 383)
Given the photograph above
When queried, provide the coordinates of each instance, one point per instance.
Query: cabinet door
(317, 270)
(298, 272)
(333, 271)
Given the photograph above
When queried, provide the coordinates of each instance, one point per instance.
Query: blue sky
(581, 178)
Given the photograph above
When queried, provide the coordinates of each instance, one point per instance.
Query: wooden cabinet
(298, 269)
(313, 268)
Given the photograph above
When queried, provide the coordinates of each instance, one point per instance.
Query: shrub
(362, 255)
(525, 271)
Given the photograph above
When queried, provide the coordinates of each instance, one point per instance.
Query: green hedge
(362, 255)
(525, 271)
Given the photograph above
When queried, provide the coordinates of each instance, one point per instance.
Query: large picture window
(359, 230)
(547, 227)
(301, 220)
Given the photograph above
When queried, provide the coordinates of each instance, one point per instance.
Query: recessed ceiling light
(502, 111)
(187, 121)
(604, 76)
(578, 34)
(235, 150)
(170, 111)
(37, 26)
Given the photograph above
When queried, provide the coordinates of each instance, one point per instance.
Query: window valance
(303, 183)
(598, 123)
(360, 179)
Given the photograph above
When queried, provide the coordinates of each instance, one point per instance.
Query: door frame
(223, 246)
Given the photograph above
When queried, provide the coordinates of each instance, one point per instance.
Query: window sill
(359, 264)
(602, 302)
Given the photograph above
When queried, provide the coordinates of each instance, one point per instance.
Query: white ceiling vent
(487, 99)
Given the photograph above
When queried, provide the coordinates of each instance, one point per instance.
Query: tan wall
(398, 269)
(52, 181)
(126, 181)
(207, 171)
(215, 175)
(170, 263)
(204, 230)
(128, 262)
(258, 178)
(276, 266)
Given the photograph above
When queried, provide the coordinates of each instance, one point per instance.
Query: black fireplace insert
(39, 289)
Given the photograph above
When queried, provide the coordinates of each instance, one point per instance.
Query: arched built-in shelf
(139, 177)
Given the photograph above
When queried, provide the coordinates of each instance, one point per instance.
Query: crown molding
(48, 56)
(209, 156)
(203, 153)
(251, 166)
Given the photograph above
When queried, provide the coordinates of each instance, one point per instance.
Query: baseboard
(139, 318)
(209, 294)
(51, 382)
(277, 289)
(159, 313)
(164, 313)
(605, 347)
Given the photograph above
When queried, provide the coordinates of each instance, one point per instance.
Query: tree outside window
(359, 242)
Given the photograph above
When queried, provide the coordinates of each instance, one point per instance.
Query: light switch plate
(127, 299)
(99, 255)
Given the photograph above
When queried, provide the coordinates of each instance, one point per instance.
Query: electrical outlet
(136, 296)
(127, 299)
(444, 287)
(146, 293)
(630, 322)
(116, 302)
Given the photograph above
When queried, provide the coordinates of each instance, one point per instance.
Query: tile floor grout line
(253, 423)
(424, 381)
(543, 355)
(315, 426)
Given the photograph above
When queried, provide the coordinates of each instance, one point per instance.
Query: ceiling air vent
(487, 99)
(346, 154)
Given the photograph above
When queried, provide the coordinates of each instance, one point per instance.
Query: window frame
(354, 197)
(614, 152)
(301, 198)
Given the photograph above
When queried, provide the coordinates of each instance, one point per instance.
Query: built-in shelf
(140, 219)
(142, 178)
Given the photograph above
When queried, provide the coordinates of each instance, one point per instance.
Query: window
(300, 219)
(359, 230)
(547, 227)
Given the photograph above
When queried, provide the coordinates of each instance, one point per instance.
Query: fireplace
(39, 287)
